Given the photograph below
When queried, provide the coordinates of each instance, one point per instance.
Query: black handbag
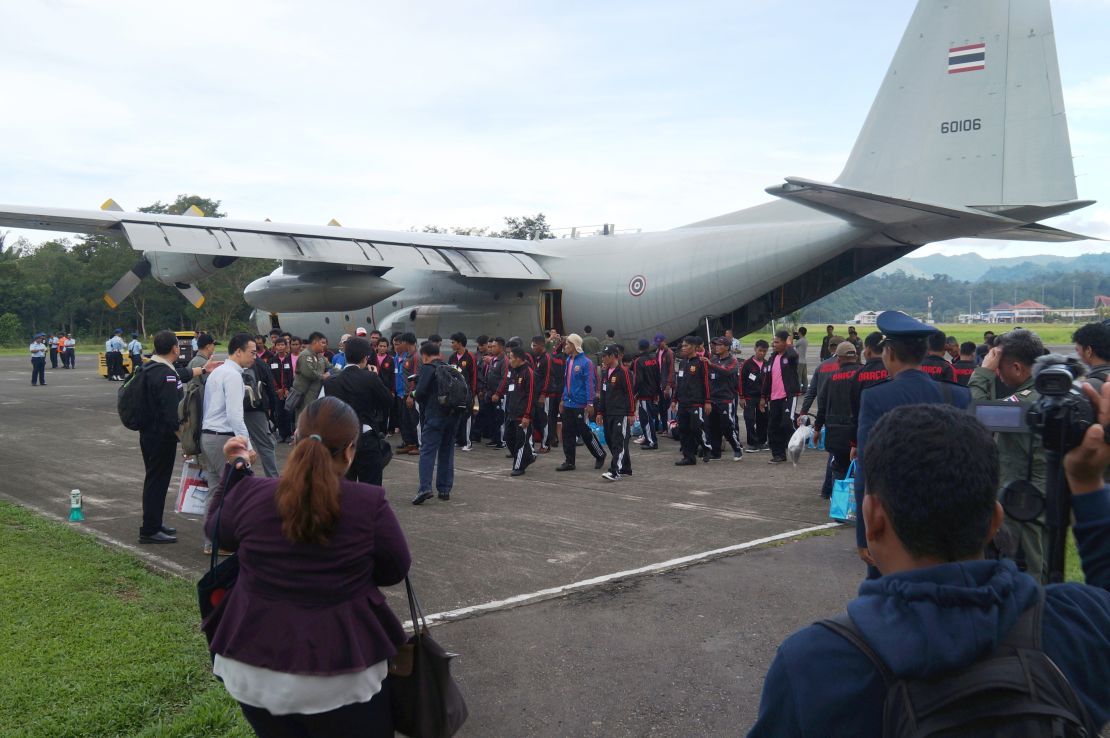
(221, 576)
(424, 698)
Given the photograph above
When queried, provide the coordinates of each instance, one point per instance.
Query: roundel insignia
(637, 285)
(613, 380)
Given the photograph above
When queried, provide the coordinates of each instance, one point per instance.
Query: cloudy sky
(392, 115)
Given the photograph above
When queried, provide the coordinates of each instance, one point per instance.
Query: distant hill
(975, 268)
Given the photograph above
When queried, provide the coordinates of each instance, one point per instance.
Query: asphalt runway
(556, 637)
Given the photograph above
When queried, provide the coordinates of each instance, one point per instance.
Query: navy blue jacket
(426, 391)
(938, 619)
(910, 387)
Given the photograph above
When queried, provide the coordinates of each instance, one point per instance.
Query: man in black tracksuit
(553, 395)
(647, 387)
(520, 398)
(365, 392)
(935, 364)
(541, 367)
(468, 367)
(724, 383)
(495, 373)
(751, 390)
(836, 416)
(691, 401)
(616, 410)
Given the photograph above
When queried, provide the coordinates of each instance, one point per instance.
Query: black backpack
(1016, 691)
(131, 400)
(255, 396)
(452, 390)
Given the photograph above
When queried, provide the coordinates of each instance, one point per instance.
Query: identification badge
(512, 387)
(274, 366)
(604, 388)
(713, 376)
(680, 373)
(751, 377)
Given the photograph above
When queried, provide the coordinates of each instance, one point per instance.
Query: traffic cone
(75, 513)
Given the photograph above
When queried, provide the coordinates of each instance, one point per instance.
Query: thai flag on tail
(967, 58)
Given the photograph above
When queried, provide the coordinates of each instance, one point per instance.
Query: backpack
(452, 390)
(1015, 691)
(254, 392)
(131, 401)
(190, 417)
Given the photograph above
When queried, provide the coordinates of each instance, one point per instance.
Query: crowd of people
(928, 478)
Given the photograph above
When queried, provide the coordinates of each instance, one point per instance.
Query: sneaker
(599, 463)
(565, 467)
(610, 476)
(777, 460)
(752, 449)
(467, 447)
(686, 462)
(737, 455)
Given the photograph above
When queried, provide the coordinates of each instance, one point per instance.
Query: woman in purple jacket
(303, 638)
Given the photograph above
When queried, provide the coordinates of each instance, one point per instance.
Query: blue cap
(894, 324)
(644, 344)
(118, 330)
(134, 334)
(40, 335)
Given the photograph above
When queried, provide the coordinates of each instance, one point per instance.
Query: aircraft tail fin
(970, 112)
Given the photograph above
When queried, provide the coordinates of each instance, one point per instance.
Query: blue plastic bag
(820, 442)
(843, 504)
(599, 432)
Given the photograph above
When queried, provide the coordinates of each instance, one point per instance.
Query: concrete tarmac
(679, 651)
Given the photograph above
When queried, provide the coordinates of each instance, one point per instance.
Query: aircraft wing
(468, 256)
(914, 222)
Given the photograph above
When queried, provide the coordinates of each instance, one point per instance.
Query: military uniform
(53, 344)
(38, 361)
(1014, 464)
(135, 349)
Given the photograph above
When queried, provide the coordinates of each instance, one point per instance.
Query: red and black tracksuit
(751, 389)
(520, 404)
(836, 414)
(541, 367)
(962, 369)
(691, 393)
(666, 358)
(724, 384)
(282, 369)
(617, 407)
(872, 373)
(647, 387)
(938, 368)
(468, 367)
(556, 378)
(494, 425)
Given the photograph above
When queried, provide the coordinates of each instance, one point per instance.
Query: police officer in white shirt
(113, 356)
(223, 409)
(38, 360)
(135, 349)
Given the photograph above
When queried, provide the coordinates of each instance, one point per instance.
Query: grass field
(1052, 334)
(94, 644)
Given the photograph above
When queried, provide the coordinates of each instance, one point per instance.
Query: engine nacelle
(318, 291)
(172, 269)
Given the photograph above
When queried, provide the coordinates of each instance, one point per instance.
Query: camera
(1063, 413)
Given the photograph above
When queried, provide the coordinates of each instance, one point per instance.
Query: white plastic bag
(192, 492)
(798, 440)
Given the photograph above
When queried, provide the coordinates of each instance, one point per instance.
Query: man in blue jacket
(438, 428)
(577, 407)
(904, 347)
(931, 509)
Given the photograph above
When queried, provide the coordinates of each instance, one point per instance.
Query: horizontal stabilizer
(914, 222)
(1040, 232)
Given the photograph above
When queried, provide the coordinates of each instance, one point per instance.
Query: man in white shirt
(38, 361)
(135, 349)
(223, 409)
(113, 356)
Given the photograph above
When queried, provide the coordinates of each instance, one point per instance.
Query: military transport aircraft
(966, 138)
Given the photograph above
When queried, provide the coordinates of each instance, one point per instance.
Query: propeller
(129, 281)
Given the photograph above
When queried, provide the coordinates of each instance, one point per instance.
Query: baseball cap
(721, 341)
(845, 348)
(360, 331)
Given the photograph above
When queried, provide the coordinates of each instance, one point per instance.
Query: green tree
(11, 330)
(527, 228)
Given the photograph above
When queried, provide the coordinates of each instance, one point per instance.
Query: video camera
(1063, 413)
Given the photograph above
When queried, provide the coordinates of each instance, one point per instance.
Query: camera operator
(940, 607)
(1021, 455)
